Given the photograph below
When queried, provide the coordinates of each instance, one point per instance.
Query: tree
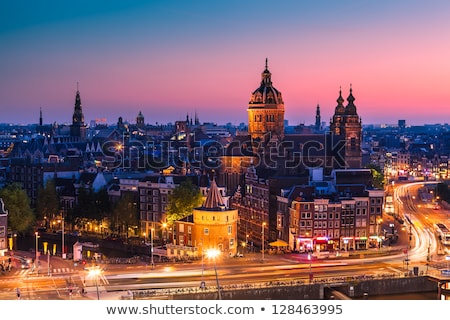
(443, 191)
(125, 213)
(377, 176)
(102, 203)
(47, 204)
(20, 216)
(182, 201)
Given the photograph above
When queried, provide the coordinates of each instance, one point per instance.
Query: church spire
(78, 117)
(266, 76)
(78, 127)
(340, 109)
(317, 118)
(351, 108)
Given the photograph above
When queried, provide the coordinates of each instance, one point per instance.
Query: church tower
(266, 110)
(140, 122)
(317, 125)
(78, 127)
(337, 122)
(346, 124)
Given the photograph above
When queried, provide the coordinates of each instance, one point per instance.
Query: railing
(143, 294)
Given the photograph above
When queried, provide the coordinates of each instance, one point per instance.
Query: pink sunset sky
(172, 58)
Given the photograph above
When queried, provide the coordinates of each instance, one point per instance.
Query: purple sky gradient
(170, 58)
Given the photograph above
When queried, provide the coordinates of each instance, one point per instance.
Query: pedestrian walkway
(29, 272)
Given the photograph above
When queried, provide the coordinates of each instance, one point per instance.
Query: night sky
(172, 58)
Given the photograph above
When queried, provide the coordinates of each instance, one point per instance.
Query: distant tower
(337, 123)
(40, 117)
(219, 220)
(317, 125)
(120, 124)
(78, 127)
(266, 109)
(140, 123)
(197, 122)
(347, 124)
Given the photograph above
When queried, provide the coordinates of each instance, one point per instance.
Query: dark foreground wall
(356, 289)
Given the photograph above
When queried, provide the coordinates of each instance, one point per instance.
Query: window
(230, 229)
(353, 144)
(206, 231)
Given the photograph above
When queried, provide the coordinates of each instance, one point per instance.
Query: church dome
(266, 93)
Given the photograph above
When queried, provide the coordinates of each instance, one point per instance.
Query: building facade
(346, 124)
(3, 228)
(215, 224)
(266, 110)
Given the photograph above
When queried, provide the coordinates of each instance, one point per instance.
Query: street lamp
(63, 255)
(164, 226)
(310, 271)
(243, 244)
(202, 284)
(37, 252)
(379, 242)
(262, 240)
(213, 253)
(152, 232)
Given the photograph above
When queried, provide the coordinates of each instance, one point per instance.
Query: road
(421, 249)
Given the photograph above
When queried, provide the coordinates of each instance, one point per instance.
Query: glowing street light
(151, 247)
(310, 271)
(262, 238)
(94, 273)
(63, 254)
(202, 284)
(243, 244)
(379, 242)
(37, 252)
(213, 253)
(164, 226)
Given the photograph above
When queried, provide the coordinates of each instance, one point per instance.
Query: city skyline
(171, 59)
